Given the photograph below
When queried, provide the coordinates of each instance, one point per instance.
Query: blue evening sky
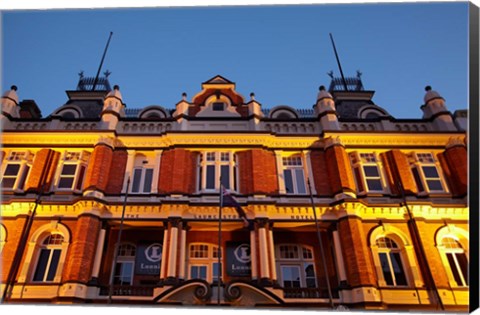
(281, 53)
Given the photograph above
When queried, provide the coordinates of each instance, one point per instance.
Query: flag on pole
(227, 200)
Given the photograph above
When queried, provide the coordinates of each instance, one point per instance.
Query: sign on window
(148, 259)
(238, 259)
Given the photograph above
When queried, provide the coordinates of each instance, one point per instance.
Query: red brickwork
(14, 233)
(339, 170)
(116, 172)
(98, 169)
(320, 173)
(178, 170)
(44, 159)
(356, 253)
(400, 170)
(81, 252)
(258, 172)
(457, 165)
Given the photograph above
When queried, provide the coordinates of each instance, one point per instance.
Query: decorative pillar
(342, 275)
(271, 250)
(183, 247)
(253, 253)
(98, 255)
(281, 180)
(128, 169)
(156, 170)
(172, 249)
(163, 268)
(263, 251)
(306, 159)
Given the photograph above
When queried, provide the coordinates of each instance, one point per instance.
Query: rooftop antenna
(338, 62)
(101, 62)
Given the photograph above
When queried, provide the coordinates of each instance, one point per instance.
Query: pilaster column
(183, 246)
(271, 251)
(281, 179)
(172, 248)
(342, 274)
(163, 268)
(128, 169)
(98, 255)
(263, 250)
(156, 170)
(306, 159)
(253, 253)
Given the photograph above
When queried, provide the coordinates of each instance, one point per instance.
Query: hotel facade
(347, 206)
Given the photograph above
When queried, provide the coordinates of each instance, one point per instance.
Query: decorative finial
(184, 96)
(80, 74)
(116, 87)
(322, 88)
(107, 73)
(428, 88)
(330, 74)
(13, 87)
(359, 74)
(252, 96)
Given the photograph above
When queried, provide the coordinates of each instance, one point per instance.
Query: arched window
(457, 260)
(48, 260)
(203, 262)
(123, 271)
(389, 254)
(296, 265)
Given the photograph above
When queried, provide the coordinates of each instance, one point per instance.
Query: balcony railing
(307, 293)
(127, 290)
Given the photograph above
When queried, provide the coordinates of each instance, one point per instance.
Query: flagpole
(219, 252)
(117, 245)
(322, 251)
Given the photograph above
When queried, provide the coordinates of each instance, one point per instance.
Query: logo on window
(153, 252)
(242, 253)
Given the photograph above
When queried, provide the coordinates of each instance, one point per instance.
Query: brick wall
(14, 229)
(257, 172)
(320, 173)
(455, 168)
(44, 159)
(178, 171)
(399, 168)
(81, 253)
(98, 169)
(356, 253)
(116, 172)
(339, 170)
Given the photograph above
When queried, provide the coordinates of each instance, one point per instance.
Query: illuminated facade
(347, 206)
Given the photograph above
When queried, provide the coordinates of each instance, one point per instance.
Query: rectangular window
(216, 271)
(210, 177)
(310, 278)
(16, 170)
(426, 173)
(142, 180)
(387, 275)
(123, 273)
(214, 166)
(291, 276)
(366, 169)
(67, 176)
(397, 266)
(72, 171)
(293, 175)
(218, 106)
(198, 272)
(10, 176)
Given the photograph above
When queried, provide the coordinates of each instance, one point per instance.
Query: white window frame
(210, 261)
(444, 250)
(419, 160)
(51, 248)
(294, 164)
(124, 259)
(80, 160)
(300, 262)
(377, 250)
(217, 159)
(359, 161)
(24, 161)
(142, 187)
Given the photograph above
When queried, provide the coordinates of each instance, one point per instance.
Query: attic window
(218, 106)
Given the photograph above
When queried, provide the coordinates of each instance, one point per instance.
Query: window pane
(225, 174)
(386, 268)
(374, 184)
(80, 177)
(8, 182)
(52, 269)
(24, 176)
(287, 175)
(400, 278)
(300, 181)
(216, 270)
(453, 268)
(147, 187)
(434, 185)
(69, 169)
(430, 171)
(462, 261)
(127, 269)
(65, 182)
(12, 169)
(371, 171)
(137, 175)
(210, 177)
(42, 265)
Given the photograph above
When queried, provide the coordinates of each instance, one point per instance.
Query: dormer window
(218, 106)
(15, 170)
(427, 174)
